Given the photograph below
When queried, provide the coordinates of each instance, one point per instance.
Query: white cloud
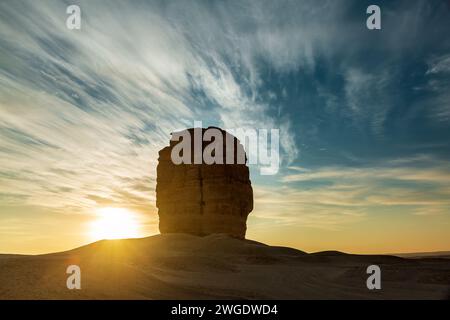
(367, 98)
(80, 109)
(421, 188)
(438, 85)
(439, 64)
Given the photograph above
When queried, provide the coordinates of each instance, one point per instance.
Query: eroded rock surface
(203, 199)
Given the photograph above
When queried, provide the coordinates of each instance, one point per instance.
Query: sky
(364, 116)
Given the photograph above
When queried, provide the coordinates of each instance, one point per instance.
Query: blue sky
(363, 114)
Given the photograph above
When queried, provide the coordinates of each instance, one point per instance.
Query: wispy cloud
(439, 64)
(438, 74)
(80, 110)
(422, 187)
(367, 97)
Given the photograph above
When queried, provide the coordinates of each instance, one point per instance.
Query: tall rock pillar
(202, 198)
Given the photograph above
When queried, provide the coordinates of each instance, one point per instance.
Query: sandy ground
(179, 266)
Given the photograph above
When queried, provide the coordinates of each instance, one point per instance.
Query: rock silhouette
(203, 199)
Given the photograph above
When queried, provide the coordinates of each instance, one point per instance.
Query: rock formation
(203, 199)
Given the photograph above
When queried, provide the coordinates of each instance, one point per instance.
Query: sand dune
(180, 266)
(436, 254)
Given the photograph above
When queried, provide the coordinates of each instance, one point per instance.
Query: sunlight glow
(114, 223)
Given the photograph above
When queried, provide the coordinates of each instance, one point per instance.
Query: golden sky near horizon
(400, 234)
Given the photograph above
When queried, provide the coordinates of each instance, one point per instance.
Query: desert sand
(181, 266)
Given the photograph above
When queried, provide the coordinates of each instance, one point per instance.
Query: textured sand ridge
(181, 266)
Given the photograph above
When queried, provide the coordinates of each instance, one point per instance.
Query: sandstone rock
(203, 199)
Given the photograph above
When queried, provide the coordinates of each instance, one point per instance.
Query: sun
(114, 223)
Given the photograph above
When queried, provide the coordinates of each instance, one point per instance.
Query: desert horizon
(217, 266)
(399, 254)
